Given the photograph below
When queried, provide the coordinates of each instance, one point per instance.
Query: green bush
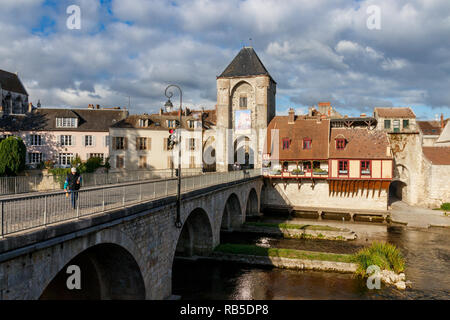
(93, 164)
(445, 206)
(12, 156)
(384, 255)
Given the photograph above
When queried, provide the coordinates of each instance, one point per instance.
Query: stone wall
(408, 166)
(437, 189)
(319, 197)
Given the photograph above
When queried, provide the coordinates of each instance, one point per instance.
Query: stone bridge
(126, 253)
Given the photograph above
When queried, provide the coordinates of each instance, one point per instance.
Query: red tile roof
(301, 129)
(395, 112)
(360, 144)
(430, 127)
(437, 155)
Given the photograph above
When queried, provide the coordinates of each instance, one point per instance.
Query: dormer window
(307, 143)
(191, 124)
(286, 143)
(66, 122)
(340, 144)
(171, 123)
(143, 123)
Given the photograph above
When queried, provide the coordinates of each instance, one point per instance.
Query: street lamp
(169, 106)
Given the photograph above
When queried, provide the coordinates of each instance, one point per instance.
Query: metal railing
(36, 183)
(22, 213)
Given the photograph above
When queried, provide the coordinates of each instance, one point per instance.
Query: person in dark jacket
(72, 185)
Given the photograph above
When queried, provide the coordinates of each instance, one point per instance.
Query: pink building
(62, 134)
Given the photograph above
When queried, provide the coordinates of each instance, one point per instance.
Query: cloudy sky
(316, 51)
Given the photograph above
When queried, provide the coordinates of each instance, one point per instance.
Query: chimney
(442, 121)
(160, 112)
(291, 116)
(97, 106)
(30, 107)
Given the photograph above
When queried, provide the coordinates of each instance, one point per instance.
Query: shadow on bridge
(108, 271)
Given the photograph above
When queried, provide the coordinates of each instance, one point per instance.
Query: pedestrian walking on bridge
(72, 185)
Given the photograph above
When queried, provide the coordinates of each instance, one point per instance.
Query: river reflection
(427, 254)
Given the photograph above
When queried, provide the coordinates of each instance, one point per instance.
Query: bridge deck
(23, 213)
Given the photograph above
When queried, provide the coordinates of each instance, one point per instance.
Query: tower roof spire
(246, 63)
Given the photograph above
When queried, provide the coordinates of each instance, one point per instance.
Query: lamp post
(169, 106)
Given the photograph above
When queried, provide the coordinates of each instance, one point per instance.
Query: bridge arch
(196, 237)
(232, 213)
(252, 208)
(107, 271)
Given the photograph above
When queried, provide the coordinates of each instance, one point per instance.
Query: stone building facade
(13, 96)
(310, 164)
(142, 141)
(245, 106)
(61, 135)
(421, 164)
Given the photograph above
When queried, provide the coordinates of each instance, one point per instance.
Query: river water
(427, 254)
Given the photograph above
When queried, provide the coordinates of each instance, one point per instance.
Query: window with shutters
(119, 143)
(405, 124)
(36, 140)
(88, 141)
(387, 124)
(141, 143)
(191, 124)
(66, 140)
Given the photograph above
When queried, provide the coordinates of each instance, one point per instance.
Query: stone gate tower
(246, 105)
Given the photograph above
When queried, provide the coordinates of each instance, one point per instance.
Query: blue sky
(316, 51)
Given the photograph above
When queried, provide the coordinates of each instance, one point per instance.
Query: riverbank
(418, 217)
(296, 231)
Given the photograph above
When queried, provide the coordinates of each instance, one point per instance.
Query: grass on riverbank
(444, 207)
(384, 255)
(292, 226)
(283, 253)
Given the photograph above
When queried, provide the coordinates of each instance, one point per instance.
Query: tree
(12, 156)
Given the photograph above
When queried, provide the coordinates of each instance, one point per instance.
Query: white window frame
(35, 140)
(35, 157)
(66, 140)
(65, 159)
(90, 139)
(66, 122)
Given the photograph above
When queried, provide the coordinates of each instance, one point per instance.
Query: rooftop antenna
(250, 40)
(129, 103)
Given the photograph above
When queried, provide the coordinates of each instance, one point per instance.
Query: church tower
(246, 105)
